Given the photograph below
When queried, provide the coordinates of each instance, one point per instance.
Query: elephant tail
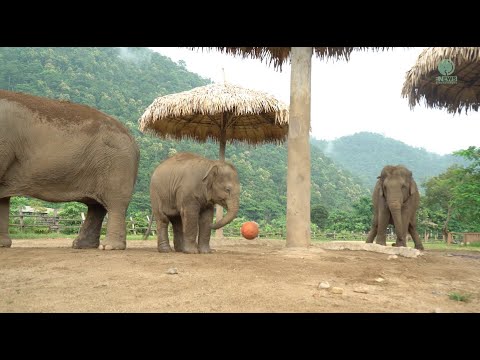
(149, 228)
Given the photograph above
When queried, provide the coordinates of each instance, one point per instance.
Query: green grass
(451, 247)
(459, 297)
(475, 244)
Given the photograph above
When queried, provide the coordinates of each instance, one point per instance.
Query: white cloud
(361, 95)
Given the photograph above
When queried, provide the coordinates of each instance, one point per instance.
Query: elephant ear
(210, 175)
(380, 187)
(380, 180)
(413, 187)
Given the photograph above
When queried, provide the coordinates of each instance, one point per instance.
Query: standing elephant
(183, 191)
(395, 201)
(58, 151)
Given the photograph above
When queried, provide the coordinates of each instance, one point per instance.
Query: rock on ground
(324, 285)
(357, 245)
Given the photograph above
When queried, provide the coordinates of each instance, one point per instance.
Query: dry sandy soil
(241, 276)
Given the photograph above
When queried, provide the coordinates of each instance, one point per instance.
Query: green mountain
(122, 82)
(364, 154)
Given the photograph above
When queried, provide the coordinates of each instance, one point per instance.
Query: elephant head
(223, 188)
(397, 187)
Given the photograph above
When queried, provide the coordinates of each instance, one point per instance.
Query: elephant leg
(204, 230)
(402, 242)
(89, 235)
(373, 231)
(177, 233)
(383, 219)
(5, 240)
(371, 235)
(162, 221)
(116, 238)
(190, 229)
(412, 229)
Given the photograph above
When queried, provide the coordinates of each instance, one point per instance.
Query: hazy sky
(363, 94)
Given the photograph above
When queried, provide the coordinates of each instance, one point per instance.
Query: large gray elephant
(183, 191)
(60, 151)
(395, 201)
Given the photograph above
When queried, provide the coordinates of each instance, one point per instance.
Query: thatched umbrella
(219, 112)
(454, 94)
(298, 176)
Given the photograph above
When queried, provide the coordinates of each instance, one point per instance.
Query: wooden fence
(43, 223)
(466, 237)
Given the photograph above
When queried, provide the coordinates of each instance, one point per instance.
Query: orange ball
(249, 230)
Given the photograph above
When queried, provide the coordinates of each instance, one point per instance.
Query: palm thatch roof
(280, 55)
(218, 111)
(421, 80)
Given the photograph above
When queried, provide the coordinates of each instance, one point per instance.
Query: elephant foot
(190, 249)
(113, 245)
(164, 248)
(178, 248)
(419, 247)
(84, 243)
(205, 250)
(5, 241)
(383, 243)
(399, 244)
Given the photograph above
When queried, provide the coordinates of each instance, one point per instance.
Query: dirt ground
(260, 275)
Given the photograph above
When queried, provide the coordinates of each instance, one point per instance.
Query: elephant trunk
(232, 211)
(396, 211)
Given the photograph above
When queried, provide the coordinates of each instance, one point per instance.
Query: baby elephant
(395, 201)
(183, 191)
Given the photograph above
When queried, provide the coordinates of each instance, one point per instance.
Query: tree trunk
(223, 143)
(298, 175)
(445, 225)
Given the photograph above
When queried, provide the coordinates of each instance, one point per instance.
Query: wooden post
(83, 220)
(223, 143)
(298, 169)
(56, 222)
(133, 226)
(21, 221)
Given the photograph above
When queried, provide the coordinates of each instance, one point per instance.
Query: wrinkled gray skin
(395, 201)
(183, 191)
(59, 151)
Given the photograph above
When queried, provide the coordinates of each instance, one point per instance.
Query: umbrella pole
(219, 209)
(298, 174)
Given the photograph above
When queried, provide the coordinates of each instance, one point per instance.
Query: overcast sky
(361, 95)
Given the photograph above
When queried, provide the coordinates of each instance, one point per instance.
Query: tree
(17, 203)
(319, 216)
(362, 214)
(456, 193)
(72, 210)
(466, 190)
(439, 194)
